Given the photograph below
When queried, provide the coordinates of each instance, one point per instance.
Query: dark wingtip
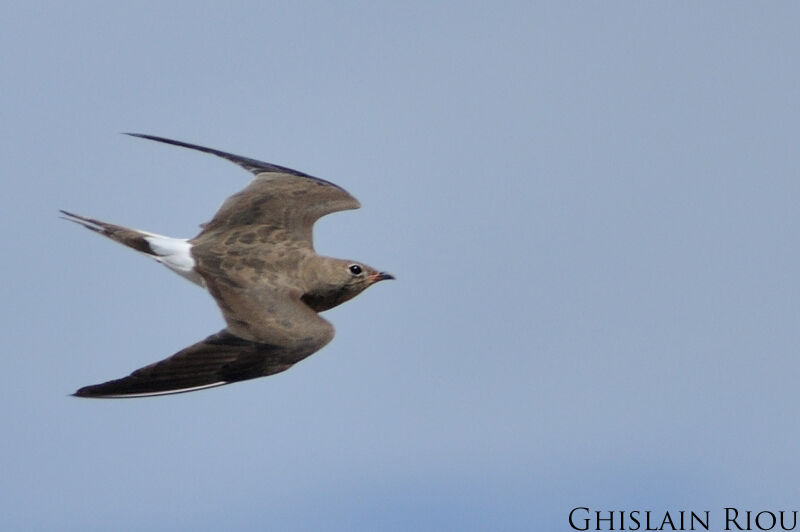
(84, 393)
(165, 140)
(149, 137)
(94, 392)
(253, 166)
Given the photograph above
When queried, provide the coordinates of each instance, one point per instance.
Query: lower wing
(220, 359)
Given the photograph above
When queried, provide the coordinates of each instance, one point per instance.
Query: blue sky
(590, 208)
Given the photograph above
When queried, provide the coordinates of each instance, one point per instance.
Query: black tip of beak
(383, 276)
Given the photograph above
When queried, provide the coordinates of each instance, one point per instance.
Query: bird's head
(336, 281)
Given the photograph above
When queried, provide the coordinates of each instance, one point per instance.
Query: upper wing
(279, 199)
(280, 207)
(251, 165)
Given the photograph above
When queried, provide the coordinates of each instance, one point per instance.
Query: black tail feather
(128, 237)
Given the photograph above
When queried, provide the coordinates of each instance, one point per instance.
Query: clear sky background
(591, 209)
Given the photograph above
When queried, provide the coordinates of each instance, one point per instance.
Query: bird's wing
(278, 207)
(219, 359)
(259, 341)
(278, 201)
(251, 165)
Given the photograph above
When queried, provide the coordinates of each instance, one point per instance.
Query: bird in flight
(256, 258)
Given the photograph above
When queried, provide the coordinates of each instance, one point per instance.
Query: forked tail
(174, 253)
(128, 237)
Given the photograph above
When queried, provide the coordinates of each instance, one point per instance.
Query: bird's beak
(381, 276)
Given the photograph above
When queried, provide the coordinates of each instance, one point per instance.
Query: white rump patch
(175, 254)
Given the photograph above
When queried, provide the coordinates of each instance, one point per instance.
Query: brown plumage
(257, 260)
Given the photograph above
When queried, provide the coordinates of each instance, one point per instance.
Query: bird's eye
(355, 269)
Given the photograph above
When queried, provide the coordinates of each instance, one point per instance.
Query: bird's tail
(174, 253)
(133, 238)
